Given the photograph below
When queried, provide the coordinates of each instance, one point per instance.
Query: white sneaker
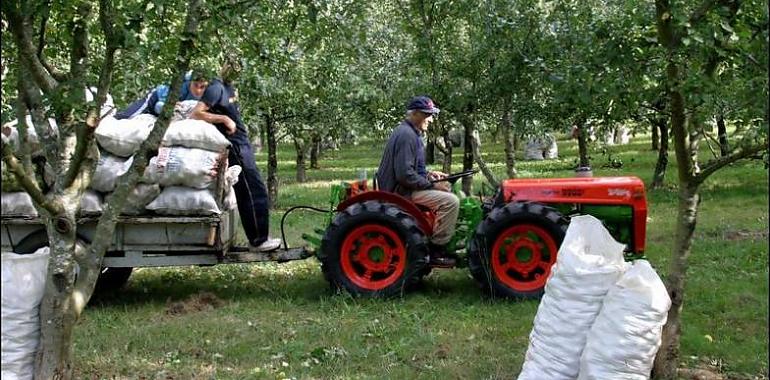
(268, 245)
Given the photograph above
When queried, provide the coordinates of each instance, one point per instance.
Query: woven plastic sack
(176, 200)
(139, 197)
(183, 110)
(588, 263)
(23, 285)
(626, 334)
(533, 150)
(18, 204)
(108, 170)
(199, 134)
(123, 137)
(230, 202)
(91, 203)
(187, 167)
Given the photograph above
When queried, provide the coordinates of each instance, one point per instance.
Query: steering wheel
(452, 178)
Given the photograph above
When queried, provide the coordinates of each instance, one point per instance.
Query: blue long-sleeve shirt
(402, 168)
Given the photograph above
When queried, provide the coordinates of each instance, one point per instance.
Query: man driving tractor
(402, 171)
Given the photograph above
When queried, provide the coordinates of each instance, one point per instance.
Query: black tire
(366, 222)
(515, 225)
(110, 279)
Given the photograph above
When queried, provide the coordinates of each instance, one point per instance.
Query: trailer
(150, 241)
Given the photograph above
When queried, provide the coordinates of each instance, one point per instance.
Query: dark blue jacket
(402, 168)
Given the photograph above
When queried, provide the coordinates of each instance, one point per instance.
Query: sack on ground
(199, 134)
(18, 204)
(178, 166)
(108, 170)
(626, 334)
(123, 137)
(550, 148)
(91, 203)
(23, 284)
(588, 263)
(175, 200)
(533, 150)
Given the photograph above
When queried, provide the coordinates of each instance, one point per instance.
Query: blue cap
(423, 104)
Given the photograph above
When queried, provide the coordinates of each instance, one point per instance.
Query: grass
(281, 321)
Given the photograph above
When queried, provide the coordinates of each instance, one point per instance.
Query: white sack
(621, 136)
(176, 200)
(141, 195)
(23, 285)
(199, 134)
(11, 133)
(108, 170)
(533, 150)
(91, 203)
(108, 108)
(183, 109)
(18, 203)
(123, 137)
(627, 332)
(178, 166)
(588, 263)
(550, 149)
(230, 202)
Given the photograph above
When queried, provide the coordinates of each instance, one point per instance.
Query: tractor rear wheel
(373, 249)
(514, 249)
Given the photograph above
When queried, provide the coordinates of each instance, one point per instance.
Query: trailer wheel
(514, 249)
(110, 279)
(373, 249)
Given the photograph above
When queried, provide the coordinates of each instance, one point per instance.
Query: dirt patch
(700, 374)
(745, 235)
(195, 303)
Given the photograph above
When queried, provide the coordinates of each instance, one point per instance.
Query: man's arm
(201, 112)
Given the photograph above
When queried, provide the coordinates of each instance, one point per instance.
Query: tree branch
(85, 135)
(55, 73)
(22, 33)
(27, 182)
(149, 147)
(712, 166)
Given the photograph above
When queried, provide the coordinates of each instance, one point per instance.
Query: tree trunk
(272, 159)
(300, 150)
(483, 165)
(655, 137)
(447, 167)
(315, 151)
(583, 144)
(510, 150)
(467, 152)
(662, 163)
(430, 151)
(666, 361)
(724, 145)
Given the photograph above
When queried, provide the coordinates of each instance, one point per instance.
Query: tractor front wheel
(373, 249)
(514, 249)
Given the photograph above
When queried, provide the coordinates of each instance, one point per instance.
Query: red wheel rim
(522, 257)
(373, 256)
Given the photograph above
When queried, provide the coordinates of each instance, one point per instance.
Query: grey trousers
(446, 206)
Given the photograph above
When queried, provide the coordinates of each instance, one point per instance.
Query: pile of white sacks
(541, 148)
(180, 180)
(600, 317)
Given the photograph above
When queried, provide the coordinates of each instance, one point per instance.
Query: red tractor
(376, 244)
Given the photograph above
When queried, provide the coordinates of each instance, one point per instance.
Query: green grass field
(271, 321)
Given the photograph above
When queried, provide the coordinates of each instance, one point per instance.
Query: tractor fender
(401, 202)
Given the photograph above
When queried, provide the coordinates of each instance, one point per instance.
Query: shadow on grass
(154, 286)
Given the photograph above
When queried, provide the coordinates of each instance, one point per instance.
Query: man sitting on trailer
(402, 171)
